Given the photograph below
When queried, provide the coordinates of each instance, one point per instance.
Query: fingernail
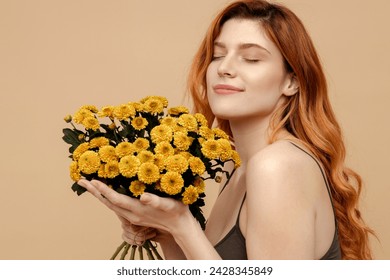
(81, 182)
(145, 198)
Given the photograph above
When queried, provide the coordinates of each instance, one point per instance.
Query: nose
(226, 67)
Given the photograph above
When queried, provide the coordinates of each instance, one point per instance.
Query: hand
(150, 211)
(136, 235)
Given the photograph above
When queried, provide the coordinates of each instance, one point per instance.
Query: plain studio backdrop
(58, 55)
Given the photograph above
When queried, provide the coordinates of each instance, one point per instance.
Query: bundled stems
(149, 248)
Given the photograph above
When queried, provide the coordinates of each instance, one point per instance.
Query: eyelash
(217, 57)
(245, 59)
(251, 60)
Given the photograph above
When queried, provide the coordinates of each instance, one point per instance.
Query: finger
(139, 238)
(91, 189)
(114, 197)
(164, 204)
(95, 187)
(127, 226)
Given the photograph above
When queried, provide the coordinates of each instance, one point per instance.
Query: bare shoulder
(282, 165)
(283, 185)
(280, 156)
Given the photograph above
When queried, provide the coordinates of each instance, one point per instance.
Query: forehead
(245, 31)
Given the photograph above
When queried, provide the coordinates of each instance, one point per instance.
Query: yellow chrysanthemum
(175, 111)
(99, 142)
(236, 158)
(196, 165)
(161, 133)
(226, 149)
(182, 141)
(129, 165)
(169, 121)
(91, 123)
(137, 188)
(111, 169)
(188, 121)
(74, 171)
(91, 108)
(211, 149)
(179, 128)
(159, 160)
(124, 111)
(164, 148)
(107, 111)
(89, 162)
(148, 173)
(201, 119)
(162, 99)
(153, 105)
(190, 195)
(137, 106)
(107, 153)
(140, 144)
(171, 183)
(186, 155)
(82, 114)
(145, 156)
(206, 132)
(124, 149)
(201, 140)
(199, 184)
(176, 163)
(139, 123)
(82, 148)
(219, 133)
(102, 171)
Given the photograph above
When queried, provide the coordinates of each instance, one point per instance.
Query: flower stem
(148, 250)
(141, 253)
(124, 253)
(132, 253)
(155, 251)
(118, 250)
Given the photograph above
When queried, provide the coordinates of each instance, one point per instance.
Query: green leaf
(78, 189)
(71, 136)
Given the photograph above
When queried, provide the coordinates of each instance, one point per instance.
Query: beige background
(58, 55)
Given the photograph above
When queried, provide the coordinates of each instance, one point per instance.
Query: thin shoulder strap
(239, 211)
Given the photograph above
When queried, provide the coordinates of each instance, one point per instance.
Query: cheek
(265, 83)
(209, 75)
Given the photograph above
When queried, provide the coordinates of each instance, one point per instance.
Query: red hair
(307, 115)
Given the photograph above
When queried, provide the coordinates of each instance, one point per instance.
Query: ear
(291, 86)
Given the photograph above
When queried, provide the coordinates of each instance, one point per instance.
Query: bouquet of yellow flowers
(145, 146)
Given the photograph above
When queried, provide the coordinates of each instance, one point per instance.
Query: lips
(226, 89)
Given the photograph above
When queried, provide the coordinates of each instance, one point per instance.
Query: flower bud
(112, 126)
(218, 179)
(68, 118)
(81, 137)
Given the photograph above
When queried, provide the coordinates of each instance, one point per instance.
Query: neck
(250, 136)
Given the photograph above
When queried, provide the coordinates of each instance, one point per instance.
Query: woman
(257, 75)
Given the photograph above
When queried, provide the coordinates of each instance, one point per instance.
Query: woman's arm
(281, 189)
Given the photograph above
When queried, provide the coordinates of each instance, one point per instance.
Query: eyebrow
(243, 46)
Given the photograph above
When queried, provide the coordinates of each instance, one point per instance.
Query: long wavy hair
(307, 115)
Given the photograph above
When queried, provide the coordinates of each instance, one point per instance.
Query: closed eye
(216, 57)
(251, 60)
